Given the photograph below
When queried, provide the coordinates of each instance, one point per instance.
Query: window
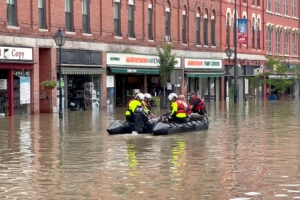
(150, 25)
(11, 12)
(198, 41)
(117, 24)
(269, 5)
(131, 21)
(69, 15)
(167, 22)
(258, 3)
(278, 38)
(277, 6)
(286, 7)
(212, 32)
(294, 8)
(253, 34)
(286, 43)
(184, 40)
(86, 16)
(253, 2)
(244, 1)
(42, 14)
(269, 41)
(227, 34)
(258, 37)
(294, 44)
(205, 29)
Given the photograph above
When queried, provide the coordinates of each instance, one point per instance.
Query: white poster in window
(169, 86)
(3, 84)
(110, 81)
(246, 86)
(24, 90)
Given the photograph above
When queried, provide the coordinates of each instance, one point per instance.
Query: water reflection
(250, 151)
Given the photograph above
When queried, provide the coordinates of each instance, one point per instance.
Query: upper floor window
(244, 1)
(205, 30)
(131, 19)
(286, 7)
(253, 34)
(258, 3)
(167, 22)
(269, 41)
(277, 6)
(117, 21)
(258, 34)
(227, 30)
(184, 40)
(278, 41)
(269, 5)
(294, 8)
(86, 16)
(252, 2)
(11, 12)
(198, 40)
(42, 14)
(294, 44)
(286, 43)
(213, 30)
(69, 15)
(150, 22)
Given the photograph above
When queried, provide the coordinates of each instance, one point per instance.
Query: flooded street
(250, 151)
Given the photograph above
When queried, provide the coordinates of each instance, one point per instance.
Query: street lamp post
(228, 52)
(235, 54)
(60, 39)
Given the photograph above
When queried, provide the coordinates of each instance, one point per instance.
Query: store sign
(16, 53)
(3, 84)
(21, 73)
(24, 90)
(203, 63)
(120, 59)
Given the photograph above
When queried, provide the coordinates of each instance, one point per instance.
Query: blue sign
(242, 31)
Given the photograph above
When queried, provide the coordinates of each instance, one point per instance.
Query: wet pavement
(250, 151)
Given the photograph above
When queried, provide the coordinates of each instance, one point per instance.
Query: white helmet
(171, 96)
(147, 95)
(140, 96)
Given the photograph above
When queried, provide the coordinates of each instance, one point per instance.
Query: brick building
(112, 44)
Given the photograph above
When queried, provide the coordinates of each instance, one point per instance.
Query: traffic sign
(240, 71)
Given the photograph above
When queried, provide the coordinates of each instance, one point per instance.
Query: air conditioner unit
(167, 38)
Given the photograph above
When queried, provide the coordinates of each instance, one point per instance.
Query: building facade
(111, 45)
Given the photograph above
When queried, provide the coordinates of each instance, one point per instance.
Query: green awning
(134, 71)
(82, 71)
(204, 74)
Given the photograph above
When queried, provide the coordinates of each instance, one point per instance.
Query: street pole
(60, 88)
(235, 54)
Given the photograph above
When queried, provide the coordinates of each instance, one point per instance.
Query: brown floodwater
(250, 151)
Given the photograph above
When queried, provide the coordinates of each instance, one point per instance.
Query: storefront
(82, 77)
(204, 77)
(132, 73)
(16, 65)
(246, 88)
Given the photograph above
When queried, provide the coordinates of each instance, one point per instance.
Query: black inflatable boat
(157, 127)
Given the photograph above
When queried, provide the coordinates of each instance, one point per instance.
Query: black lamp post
(60, 39)
(235, 53)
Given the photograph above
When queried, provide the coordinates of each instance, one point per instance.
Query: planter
(49, 84)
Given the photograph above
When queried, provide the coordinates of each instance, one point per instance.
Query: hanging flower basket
(49, 84)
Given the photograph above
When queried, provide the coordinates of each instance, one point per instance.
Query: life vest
(133, 104)
(199, 106)
(188, 109)
(146, 105)
(181, 108)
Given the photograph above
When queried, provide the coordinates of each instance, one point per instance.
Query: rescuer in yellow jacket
(178, 112)
(133, 104)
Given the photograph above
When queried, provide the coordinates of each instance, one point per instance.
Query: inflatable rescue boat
(157, 127)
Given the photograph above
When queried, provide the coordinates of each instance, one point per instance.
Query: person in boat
(146, 104)
(132, 106)
(186, 104)
(197, 105)
(177, 109)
